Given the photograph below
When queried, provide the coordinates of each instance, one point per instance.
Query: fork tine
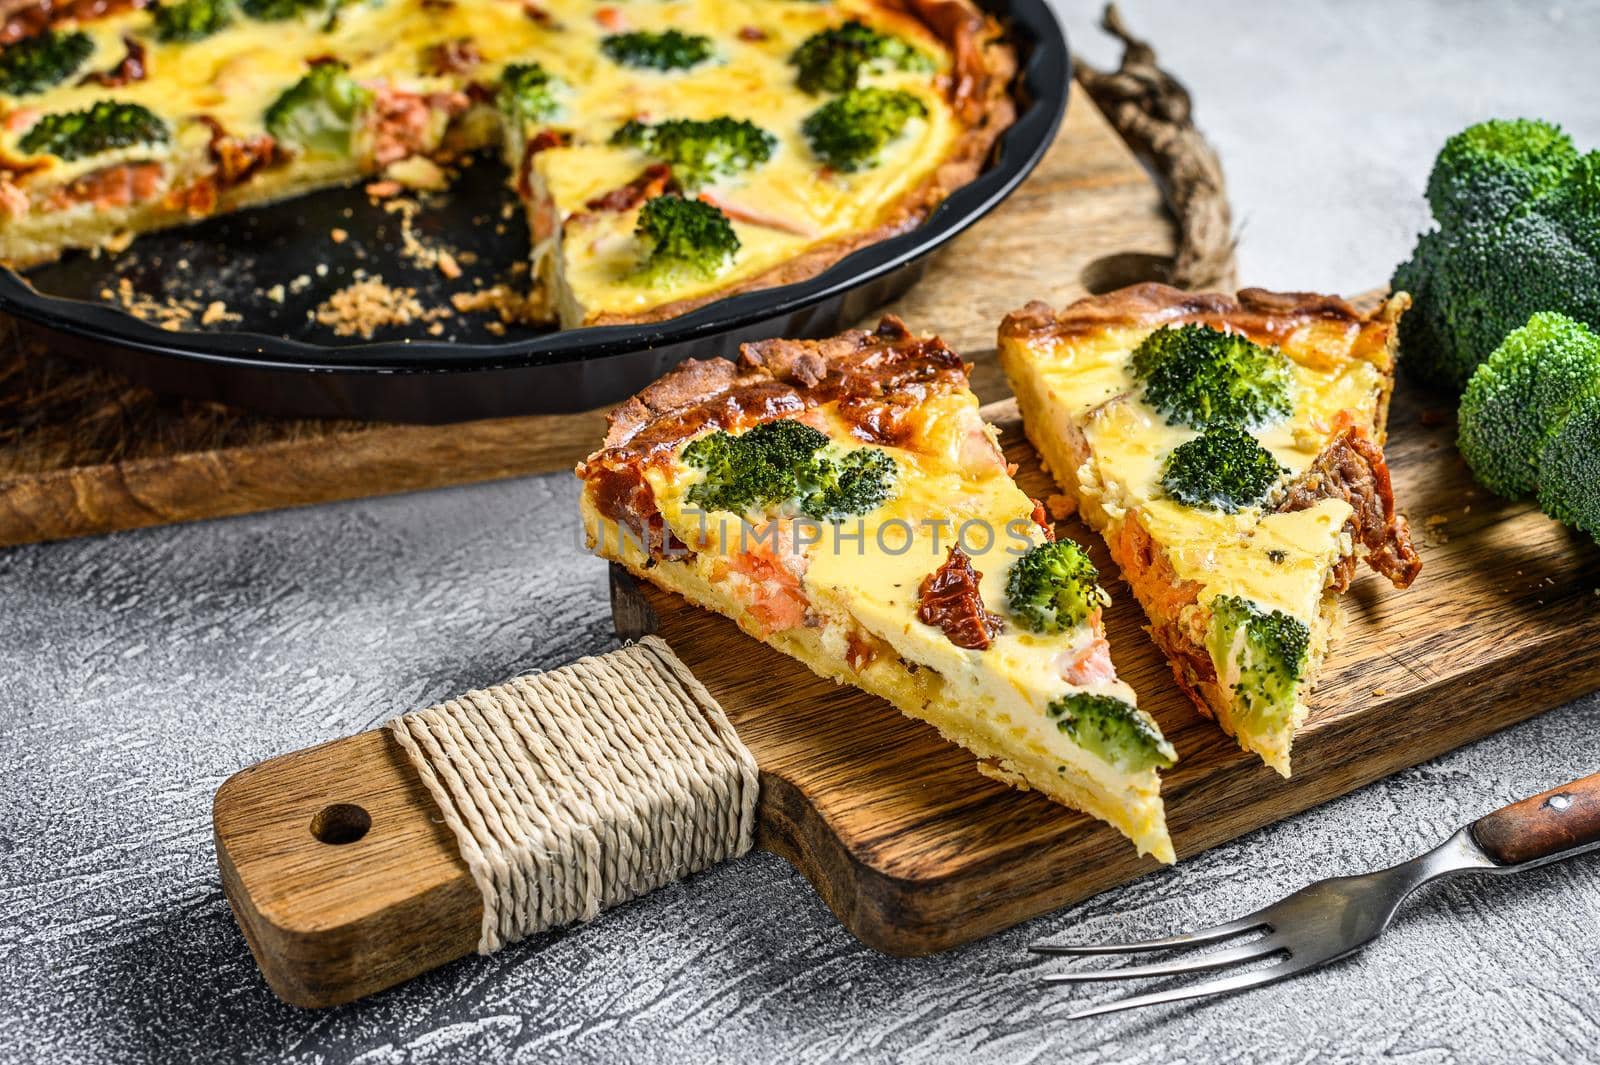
(1259, 948)
(1193, 939)
(1224, 986)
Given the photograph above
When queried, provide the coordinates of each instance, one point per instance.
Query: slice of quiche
(844, 501)
(1230, 453)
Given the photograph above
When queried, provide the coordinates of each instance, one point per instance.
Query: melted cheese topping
(789, 204)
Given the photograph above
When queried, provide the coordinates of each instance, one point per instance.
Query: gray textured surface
(139, 671)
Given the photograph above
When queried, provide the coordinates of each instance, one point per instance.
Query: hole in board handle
(1111, 272)
(341, 823)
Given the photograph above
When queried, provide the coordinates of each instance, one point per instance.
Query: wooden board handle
(1544, 825)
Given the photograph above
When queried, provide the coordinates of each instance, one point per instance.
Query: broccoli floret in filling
(667, 50)
(527, 93)
(839, 486)
(320, 112)
(191, 20)
(1199, 376)
(1116, 732)
(33, 64)
(279, 10)
(1569, 467)
(700, 152)
(1518, 397)
(688, 239)
(1267, 651)
(1054, 587)
(1224, 468)
(787, 464)
(851, 131)
(106, 126)
(834, 59)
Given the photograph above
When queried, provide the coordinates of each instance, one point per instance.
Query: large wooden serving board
(915, 851)
(84, 452)
(911, 847)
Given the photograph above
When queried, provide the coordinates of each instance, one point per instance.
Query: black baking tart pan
(272, 265)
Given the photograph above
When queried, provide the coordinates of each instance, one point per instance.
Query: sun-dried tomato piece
(949, 600)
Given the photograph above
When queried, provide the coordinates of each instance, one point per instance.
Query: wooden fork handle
(1544, 825)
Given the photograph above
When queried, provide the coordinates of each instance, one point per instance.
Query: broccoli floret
(1519, 232)
(1199, 376)
(1266, 651)
(786, 463)
(105, 126)
(850, 131)
(700, 152)
(1519, 395)
(687, 238)
(279, 10)
(754, 471)
(1569, 466)
(527, 93)
(1116, 732)
(191, 20)
(1054, 587)
(33, 64)
(1224, 468)
(1486, 171)
(839, 486)
(320, 112)
(667, 50)
(834, 59)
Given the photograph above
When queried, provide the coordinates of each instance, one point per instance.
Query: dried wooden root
(1153, 112)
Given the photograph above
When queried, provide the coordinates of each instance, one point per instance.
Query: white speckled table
(138, 671)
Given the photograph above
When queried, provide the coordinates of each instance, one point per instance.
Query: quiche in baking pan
(667, 153)
(1229, 450)
(844, 501)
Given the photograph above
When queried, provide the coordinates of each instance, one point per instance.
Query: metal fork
(1332, 918)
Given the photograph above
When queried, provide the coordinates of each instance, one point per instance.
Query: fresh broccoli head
(1199, 376)
(700, 152)
(849, 131)
(1569, 467)
(667, 50)
(320, 112)
(1267, 651)
(1054, 587)
(527, 93)
(687, 238)
(1116, 732)
(191, 20)
(33, 64)
(1472, 285)
(1486, 171)
(1224, 468)
(1519, 232)
(104, 127)
(846, 483)
(1519, 395)
(834, 59)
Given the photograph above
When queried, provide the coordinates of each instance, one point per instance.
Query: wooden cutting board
(83, 452)
(909, 845)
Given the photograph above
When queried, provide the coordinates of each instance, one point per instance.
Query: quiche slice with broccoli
(844, 501)
(667, 154)
(1230, 453)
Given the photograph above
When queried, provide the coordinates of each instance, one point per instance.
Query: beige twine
(575, 790)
